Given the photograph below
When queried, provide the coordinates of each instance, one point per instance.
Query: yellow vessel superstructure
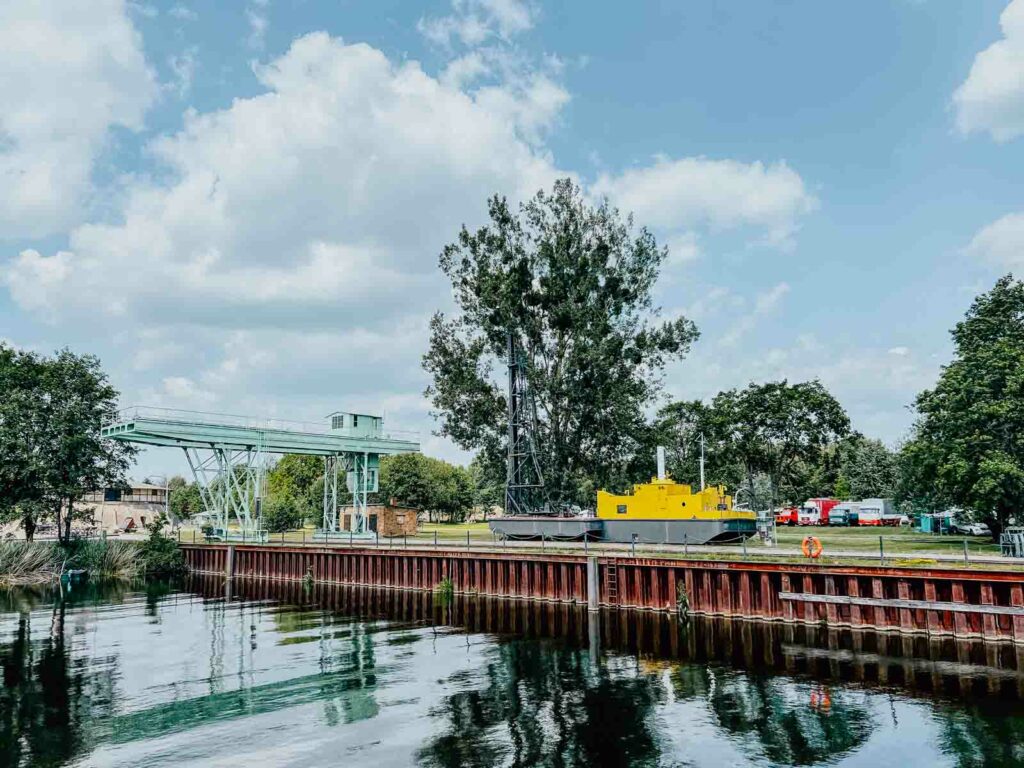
(659, 512)
(665, 511)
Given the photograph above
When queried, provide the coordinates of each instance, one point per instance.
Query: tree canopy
(445, 491)
(51, 411)
(574, 283)
(780, 430)
(968, 440)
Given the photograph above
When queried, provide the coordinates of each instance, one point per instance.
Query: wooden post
(229, 565)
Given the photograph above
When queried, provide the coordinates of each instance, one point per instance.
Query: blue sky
(239, 205)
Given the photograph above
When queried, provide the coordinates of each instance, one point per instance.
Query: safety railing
(209, 418)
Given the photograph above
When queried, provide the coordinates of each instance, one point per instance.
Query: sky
(238, 206)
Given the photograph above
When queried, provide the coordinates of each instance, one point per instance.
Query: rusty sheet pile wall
(959, 603)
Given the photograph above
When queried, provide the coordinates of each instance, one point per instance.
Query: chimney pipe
(661, 462)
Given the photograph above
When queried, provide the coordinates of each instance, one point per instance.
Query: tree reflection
(548, 706)
(47, 701)
(978, 737)
(792, 723)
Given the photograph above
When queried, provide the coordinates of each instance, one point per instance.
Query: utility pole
(702, 461)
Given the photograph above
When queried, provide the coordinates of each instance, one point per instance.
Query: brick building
(385, 519)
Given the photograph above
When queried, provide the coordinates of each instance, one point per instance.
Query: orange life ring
(812, 547)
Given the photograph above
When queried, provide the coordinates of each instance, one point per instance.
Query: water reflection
(283, 674)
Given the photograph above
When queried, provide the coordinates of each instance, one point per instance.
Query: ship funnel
(661, 462)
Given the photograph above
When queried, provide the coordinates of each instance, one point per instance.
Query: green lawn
(449, 531)
(897, 540)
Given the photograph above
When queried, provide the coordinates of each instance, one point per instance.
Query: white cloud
(875, 387)
(683, 248)
(765, 303)
(673, 195)
(899, 351)
(992, 97)
(144, 9)
(1000, 243)
(183, 390)
(286, 251)
(69, 73)
(283, 254)
(183, 66)
(473, 22)
(32, 278)
(183, 13)
(770, 299)
(256, 15)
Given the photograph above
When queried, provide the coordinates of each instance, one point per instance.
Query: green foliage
(299, 478)
(968, 442)
(296, 486)
(52, 453)
(185, 500)
(443, 490)
(842, 488)
(281, 512)
(868, 468)
(780, 430)
(574, 283)
(444, 591)
(161, 555)
(488, 486)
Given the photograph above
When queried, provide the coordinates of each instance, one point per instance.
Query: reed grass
(27, 562)
(37, 562)
(108, 559)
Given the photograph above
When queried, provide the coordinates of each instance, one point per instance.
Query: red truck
(815, 511)
(787, 516)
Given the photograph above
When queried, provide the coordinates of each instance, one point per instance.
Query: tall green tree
(779, 430)
(573, 282)
(22, 459)
(445, 491)
(866, 469)
(679, 427)
(76, 398)
(300, 479)
(185, 499)
(51, 452)
(968, 440)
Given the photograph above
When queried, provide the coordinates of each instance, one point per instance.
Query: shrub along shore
(39, 562)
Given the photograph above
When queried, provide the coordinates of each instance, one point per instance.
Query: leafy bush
(281, 512)
(160, 554)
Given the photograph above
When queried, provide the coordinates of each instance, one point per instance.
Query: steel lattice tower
(524, 483)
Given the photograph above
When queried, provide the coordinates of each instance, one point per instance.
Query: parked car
(971, 529)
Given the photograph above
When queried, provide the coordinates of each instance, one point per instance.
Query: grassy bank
(37, 562)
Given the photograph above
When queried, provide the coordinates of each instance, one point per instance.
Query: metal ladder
(611, 583)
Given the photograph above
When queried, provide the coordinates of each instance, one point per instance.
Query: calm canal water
(276, 675)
